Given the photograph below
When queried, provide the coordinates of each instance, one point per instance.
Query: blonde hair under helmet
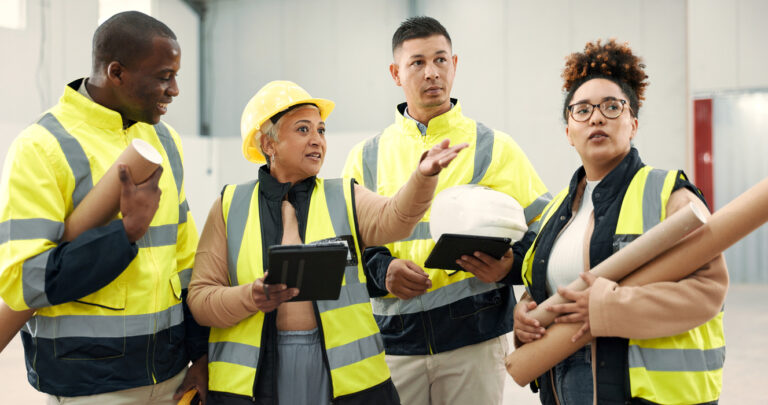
(274, 97)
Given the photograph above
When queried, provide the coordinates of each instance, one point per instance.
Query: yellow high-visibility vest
(50, 168)
(683, 369)
(385, 162)
(350, 336)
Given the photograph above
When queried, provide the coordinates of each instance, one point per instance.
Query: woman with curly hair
(660, 343)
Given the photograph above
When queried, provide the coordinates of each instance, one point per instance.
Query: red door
(702, 148)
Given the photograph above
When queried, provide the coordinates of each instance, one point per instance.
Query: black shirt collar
(614, 182)
(273, 190)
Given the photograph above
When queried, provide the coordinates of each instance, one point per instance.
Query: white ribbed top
(567, 258)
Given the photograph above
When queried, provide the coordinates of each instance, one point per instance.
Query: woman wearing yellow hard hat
(261, 348)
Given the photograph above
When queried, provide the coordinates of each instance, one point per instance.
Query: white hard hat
(472, 209)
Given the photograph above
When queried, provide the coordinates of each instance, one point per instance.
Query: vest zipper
(426, 331)
(125, 137)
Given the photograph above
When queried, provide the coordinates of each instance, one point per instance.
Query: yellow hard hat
(274, 97)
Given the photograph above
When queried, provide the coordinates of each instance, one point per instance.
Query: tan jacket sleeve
(211, 299)
(660, 309)
(382, 220)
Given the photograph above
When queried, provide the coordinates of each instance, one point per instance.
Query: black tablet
(316, 270)
(450, 247)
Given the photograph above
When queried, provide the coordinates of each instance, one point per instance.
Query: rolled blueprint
(725, 227)
(642, 250)
(10, 323)
(98, 207)
(103, 201)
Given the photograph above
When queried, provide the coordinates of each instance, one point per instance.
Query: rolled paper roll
(725, 227)
(102, 203)
(531, 360)
(640, 251)
(98, 207)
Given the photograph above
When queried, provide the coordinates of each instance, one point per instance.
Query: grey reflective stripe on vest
(337, 206)
(237, 217)
(652, 198)
(482, 161)
(81, 166)
(161, 235)
(235, 353)
(434, 299)
(174, 158)
(536, 226)
(420, 232)
(34, 268)
(185, 276)
(534, 209)
(350, 294)
(654, 184)
(676, 360)
(75, 155)
(371, 162)
(31, 228)
(353, 291)
(337, 209)
(483, 152)
(104, 326)
(355, 351)
(183, 210)
(33, 280)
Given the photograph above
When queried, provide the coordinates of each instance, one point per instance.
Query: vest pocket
(393, 323)
(98, 335)
(176, 332)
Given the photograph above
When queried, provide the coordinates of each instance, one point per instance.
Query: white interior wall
(727, 45)
(510, 58)
(184, 112)
(511, 54)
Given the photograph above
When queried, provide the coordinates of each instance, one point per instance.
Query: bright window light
(13, 14)
(108, 8)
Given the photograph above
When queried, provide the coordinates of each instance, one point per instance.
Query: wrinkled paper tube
(725, 227)
(103, 201)
(99, 206)
(642, 250)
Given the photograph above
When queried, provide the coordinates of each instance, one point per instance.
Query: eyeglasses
(610, 109)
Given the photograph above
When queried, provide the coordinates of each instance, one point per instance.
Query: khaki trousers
(156, 394)
(467, 375)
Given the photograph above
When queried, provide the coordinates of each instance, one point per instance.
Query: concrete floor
(745, 375)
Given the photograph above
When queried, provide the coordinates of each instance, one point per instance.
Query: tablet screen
(450, 247)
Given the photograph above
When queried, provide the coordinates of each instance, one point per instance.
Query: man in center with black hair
(444, 332)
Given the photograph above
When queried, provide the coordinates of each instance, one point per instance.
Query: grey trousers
(302, 377)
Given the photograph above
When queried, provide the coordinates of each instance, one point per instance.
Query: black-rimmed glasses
(610, 109)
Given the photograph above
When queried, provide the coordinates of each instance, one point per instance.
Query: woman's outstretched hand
(439, 156)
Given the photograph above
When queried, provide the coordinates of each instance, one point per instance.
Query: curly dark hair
(611, 61)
